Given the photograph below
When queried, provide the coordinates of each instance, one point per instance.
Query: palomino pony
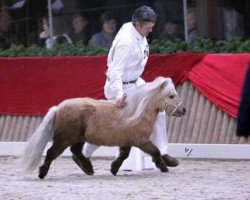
(76, 121)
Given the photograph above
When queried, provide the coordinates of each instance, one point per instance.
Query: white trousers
(159, 138)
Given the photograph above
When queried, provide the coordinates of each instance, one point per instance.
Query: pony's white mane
(138, 100)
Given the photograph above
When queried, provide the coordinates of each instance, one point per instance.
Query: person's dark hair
(83, 15)
(144, 14)
(107, 16)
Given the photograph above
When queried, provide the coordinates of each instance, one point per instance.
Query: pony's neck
(155, 107)
(153, 112)
(159, 104)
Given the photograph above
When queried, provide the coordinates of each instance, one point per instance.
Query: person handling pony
(126, 60)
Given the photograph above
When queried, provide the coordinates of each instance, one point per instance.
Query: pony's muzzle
(179, 111)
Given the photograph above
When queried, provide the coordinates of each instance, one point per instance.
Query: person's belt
(129, 82)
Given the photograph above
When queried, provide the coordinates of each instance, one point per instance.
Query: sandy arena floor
(191, 180)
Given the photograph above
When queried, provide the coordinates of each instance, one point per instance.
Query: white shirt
(127, 58)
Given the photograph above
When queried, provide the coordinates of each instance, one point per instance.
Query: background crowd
(97, 22)
(79, 32)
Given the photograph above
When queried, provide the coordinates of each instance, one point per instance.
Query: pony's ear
(163, 85)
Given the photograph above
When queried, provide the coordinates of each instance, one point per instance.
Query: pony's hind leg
(123, 154)
(53, 152)
(82, 162)
(152, 150)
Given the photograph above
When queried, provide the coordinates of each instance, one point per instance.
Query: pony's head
(168, 97)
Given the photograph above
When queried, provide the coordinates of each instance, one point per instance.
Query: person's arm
(120, 59)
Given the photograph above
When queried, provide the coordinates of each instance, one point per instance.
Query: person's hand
(121, 102)
(44, 34)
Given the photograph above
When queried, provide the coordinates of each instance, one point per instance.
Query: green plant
(237, 45)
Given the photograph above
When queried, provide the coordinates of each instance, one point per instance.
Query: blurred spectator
(81, 29)
(44, 34)
(232, 23)
(33, 37)
(166, 10)
(59, 33)
(171, 31)
(192, 26)
(5, 36)
(105, 38)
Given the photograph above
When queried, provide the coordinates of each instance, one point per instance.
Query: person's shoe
(170, 161)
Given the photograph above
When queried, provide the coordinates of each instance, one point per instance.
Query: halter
(176, 106)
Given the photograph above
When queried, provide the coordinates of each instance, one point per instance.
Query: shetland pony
(76, 121)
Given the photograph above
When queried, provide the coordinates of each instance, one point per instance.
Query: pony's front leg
(151, 149)
(123, 155)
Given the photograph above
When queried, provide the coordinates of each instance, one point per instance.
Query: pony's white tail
(33, 151)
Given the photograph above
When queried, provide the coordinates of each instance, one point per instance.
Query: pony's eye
(171, 96)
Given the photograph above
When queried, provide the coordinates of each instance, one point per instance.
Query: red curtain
(176, 66)
(219, 77)
(29, 86)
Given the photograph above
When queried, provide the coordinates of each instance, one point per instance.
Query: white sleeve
(115, 72)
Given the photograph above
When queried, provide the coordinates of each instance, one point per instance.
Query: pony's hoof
(114, 171)
(42, 172)
(87, 169)
(164, 170)
(114, 168)
(41, 176)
